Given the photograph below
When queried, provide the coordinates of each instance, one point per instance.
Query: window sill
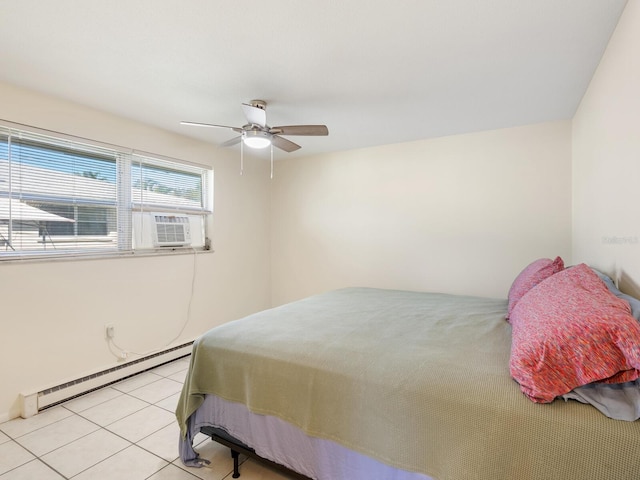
(79, 239)
(68, 257)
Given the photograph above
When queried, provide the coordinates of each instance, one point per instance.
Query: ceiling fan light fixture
(256, 134)
(256, 139)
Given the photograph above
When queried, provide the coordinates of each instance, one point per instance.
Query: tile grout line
(104, 427)
(79, 414)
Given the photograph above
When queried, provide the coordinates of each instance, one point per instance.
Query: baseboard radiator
(33, 402)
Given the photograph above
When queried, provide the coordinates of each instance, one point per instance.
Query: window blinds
(158, 185)
(57, 195)
(64, 196)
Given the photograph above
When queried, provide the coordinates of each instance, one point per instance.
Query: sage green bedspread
(419, 381)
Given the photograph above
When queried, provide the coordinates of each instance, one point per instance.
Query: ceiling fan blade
(284, 144)
(197, 124)
(255, 115)
(300, 130)
(231, 142)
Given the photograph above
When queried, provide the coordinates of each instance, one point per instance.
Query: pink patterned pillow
(532, 275)
(570, 330)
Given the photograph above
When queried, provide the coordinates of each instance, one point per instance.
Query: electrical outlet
(109, 330)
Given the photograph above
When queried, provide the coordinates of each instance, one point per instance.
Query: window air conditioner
(170, 230)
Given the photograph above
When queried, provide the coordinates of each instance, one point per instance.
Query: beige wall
(606, 160)
(461, 214)
(458, 214)
(52, 314)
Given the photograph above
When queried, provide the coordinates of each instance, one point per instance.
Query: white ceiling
(374, 72)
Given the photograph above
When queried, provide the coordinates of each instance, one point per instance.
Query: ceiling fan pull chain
(272, 160)
(241, 158)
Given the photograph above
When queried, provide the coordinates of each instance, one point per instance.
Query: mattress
(281, 442)
(416, 381)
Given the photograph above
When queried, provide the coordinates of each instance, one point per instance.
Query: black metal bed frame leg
(237, 447)
(236, 467)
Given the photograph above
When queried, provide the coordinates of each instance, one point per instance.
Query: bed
(363, 383)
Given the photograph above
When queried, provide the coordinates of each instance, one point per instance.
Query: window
(85, 221)
(64, 196)
(159, 185)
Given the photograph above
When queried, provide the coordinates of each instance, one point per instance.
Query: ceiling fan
(257, 134)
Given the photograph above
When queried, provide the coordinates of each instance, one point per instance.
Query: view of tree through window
(169, 182)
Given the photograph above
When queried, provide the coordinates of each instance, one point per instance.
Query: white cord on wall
(193, 285)
(124, 353)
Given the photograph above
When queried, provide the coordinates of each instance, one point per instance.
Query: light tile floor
(126, 431)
